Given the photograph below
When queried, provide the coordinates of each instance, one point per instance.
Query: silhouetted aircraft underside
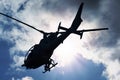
(40, 54)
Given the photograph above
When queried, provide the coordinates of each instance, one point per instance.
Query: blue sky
(95, 57)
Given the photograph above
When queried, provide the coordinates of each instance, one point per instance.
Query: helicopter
(40, 54)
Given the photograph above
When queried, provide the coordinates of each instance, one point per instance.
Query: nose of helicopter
(23, 65)
(26, 64)
(27, 67)
(31, 64)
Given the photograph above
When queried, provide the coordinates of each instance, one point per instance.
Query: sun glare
(65, 53)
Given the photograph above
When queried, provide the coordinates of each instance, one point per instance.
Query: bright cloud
(90, 47)
(27, 78)
(24, 78)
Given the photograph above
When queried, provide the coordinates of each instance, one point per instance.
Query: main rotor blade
(22, 23)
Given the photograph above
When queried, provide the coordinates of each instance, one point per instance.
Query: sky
(94, 57)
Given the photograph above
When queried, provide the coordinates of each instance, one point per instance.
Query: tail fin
(77, 21)
(80, 10)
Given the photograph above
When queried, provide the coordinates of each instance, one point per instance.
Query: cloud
(103, 47)
(58, 6)
(24, 78)
(18, 61)
(110, 18)
(27, 78)
(22, 6)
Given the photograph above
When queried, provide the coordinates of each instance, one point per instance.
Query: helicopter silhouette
(40, 54)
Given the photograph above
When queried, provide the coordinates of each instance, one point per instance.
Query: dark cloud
(22, 6)
(62, 5)
(115, 55)
(110, 19)
(70, 3)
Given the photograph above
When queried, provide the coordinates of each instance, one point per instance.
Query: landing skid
(50, 68)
